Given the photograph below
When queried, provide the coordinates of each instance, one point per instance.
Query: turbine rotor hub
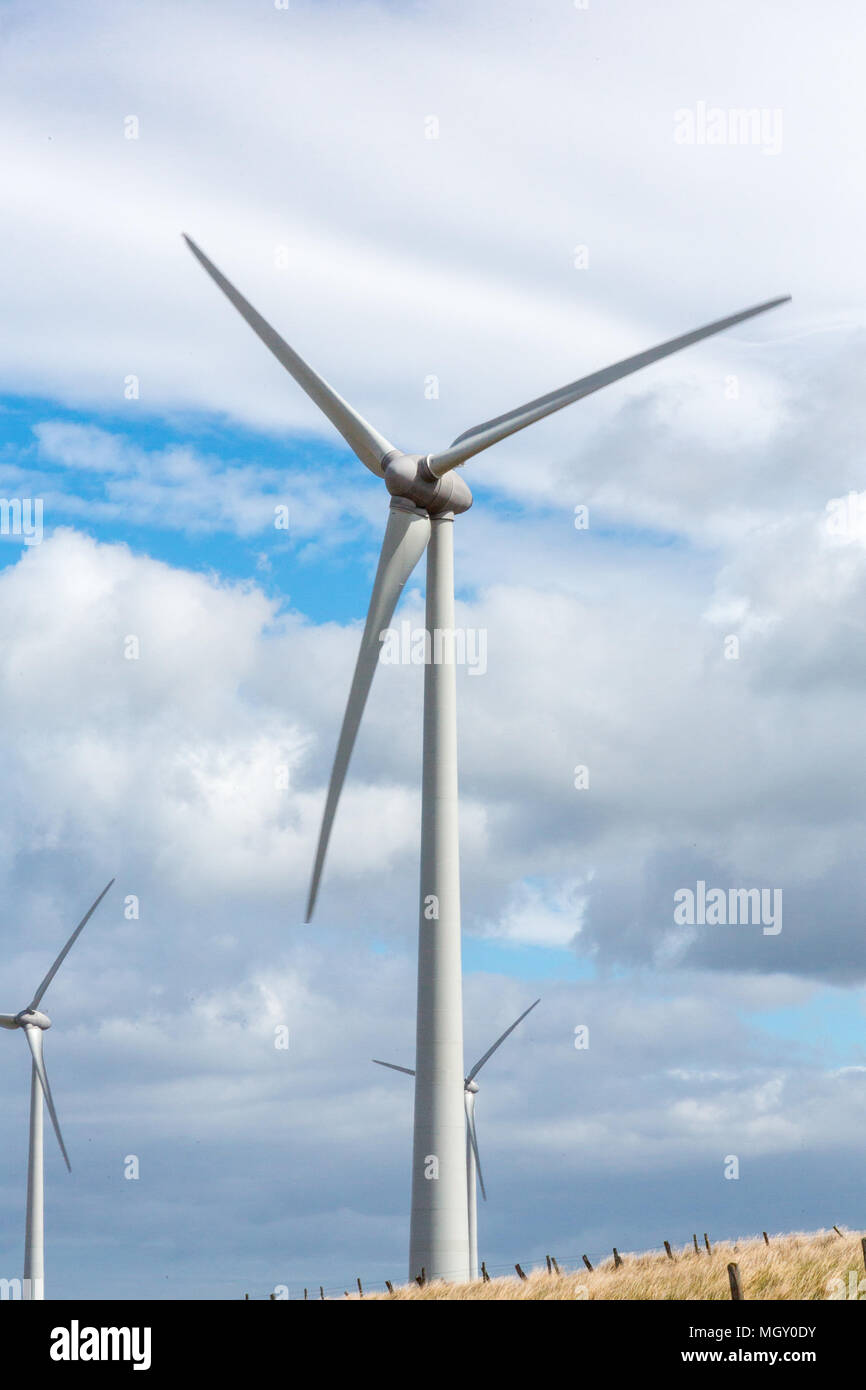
(409, 477)
(471, 1087)
(32, 1018)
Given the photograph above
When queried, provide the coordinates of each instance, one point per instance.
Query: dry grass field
(800, 1266)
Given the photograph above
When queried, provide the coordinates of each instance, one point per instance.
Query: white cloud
(450, 256)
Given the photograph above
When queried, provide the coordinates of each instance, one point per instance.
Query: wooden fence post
(695, 1239)
(389, 1286)
(838, 1232)
(707, 1244)
(549, 1266)
(321, 1293)
(617, 1258)
(586, 1262)
(736, 1282)
(555, 1266)
(305, 1295)
(520, 1271)
(766, 1238)
(484, 1275)
(360, 1290)
(863, 1248)
(668, 1250)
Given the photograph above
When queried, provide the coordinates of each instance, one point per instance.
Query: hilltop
(818, 1265)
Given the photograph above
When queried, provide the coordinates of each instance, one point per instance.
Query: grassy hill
(818, 1265)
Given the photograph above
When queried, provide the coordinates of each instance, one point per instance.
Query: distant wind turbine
(426, 495)
(474, 1176)
(34, 1023)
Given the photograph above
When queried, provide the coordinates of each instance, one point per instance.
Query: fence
(554, 1267)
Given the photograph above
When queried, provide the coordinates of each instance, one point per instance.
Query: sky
(448, 209)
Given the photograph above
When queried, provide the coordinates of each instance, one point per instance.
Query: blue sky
(215, 547)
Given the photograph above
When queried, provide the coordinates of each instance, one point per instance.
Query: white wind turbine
(34, 1023)
(426, 495)
(474, 1177)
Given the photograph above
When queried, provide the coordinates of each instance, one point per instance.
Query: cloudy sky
(448, 208)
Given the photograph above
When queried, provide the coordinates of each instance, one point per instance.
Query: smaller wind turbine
(34, 1023)
(474, 1177)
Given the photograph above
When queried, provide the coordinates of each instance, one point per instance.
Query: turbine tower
(426, 496)
(34, 1023)
(474, 1176)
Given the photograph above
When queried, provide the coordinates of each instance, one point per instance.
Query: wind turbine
(474, 1176)
(34, 1023)
(426, 495)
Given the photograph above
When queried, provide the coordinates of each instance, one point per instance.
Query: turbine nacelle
(471, 1087)
(32, 1018)
(408, 476)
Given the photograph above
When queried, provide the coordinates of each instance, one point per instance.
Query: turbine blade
(394, 1067)
(34, 1042)
(406, 537)
(370, 446)
(34, 1003)
(499, 1041)
(491, 431)
(473, 1139)
(9, 1021)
